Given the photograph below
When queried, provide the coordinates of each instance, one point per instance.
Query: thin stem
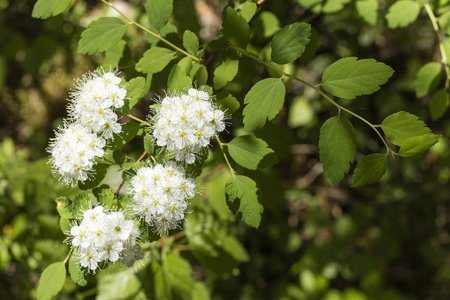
(317, 89)
(151, 32)
(225, 155)
(444, 59)
(68, 255)
(116, 193)
(135, 118)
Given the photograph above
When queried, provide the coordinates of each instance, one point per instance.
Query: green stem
(444, 59)
(225, 156)
(68, 255)
(328, 98)
(151, 32)
(135, 118)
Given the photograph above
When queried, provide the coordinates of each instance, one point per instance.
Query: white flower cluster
(185, 124)
(94, 100)
(92, 120)
(160, 194)
(103, 237)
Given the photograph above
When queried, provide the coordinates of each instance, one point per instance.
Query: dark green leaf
(76, 274)
(44, 9)
(179, 276)
(227, 102)
(401, 126)
(99, 174)
(114, 55)
(154, 60)
(439, 104)
(349, 77)
(101, 35)
(428, 78)
(369, 169)
(417, 145)
(289, 43)
(178, 80)
(264, 101)
(51, 281)
(225, 72)
(248, 151)
(104, 195)
(149, 144)
(159, 12)
(242, 198)
(337, 145)
(402, 13)
(129, 131)
(190, 42)
(235, 28)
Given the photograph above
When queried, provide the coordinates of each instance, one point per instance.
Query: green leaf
(248, 151)
(136, 89)
(402, 13)
(201, 76)
(100, 173)
(101, 35)
(439, 104)
(154, 60)
(114, 55)
(401, 126)
(444, 22)
(225, 72)
(417, 145)
(51, 281)
(104, 195)
(369, 169)
(159, 12)
(289, 43)
(76, 274)
(235, 28)
(65, 225)
(190, 42)
(129, 131)
(178, 80)
(264, 101)
(44, 9)
(149, 144)
(242, 197)
(200, 292)
(337, 147)
(266, 24)
(332, 6)
(349, 77)
(179, 276)
(121, 285)
(428, 78)
(71, 209)
(227, 102)
(368, 10)
(248, 10)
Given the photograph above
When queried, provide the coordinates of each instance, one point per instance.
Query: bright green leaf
(369, 169)
(136, 89)
(200, 292)
(120, 285)
(227, 102)
(201, 76)
(235, 28)
(289, 43)
(401, 126)
(76, 274)
(190, 42)
(225, 72)
(104, 195)
(101, 35)
(428, 78)
(248, 151)
(444, 22)
(439, 104)
(332, 6)
(349, 77)
(51, 281)
(266, 24)
(114, 55)
(149, 144)
(248, 10)
(417, 145)
(242, 198)
(44, 9)
(337, 145)
(264, 101)
(159, 12)
(154, 60)
(402, 13)
(179, 276)
(368, 10)
(178, 80)
(65, 225)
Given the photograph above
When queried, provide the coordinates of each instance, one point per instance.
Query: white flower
(186, 124)
(89, 258)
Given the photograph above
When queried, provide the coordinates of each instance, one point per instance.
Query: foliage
(284, 211)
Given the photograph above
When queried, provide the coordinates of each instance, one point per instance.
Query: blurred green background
(389, 240)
